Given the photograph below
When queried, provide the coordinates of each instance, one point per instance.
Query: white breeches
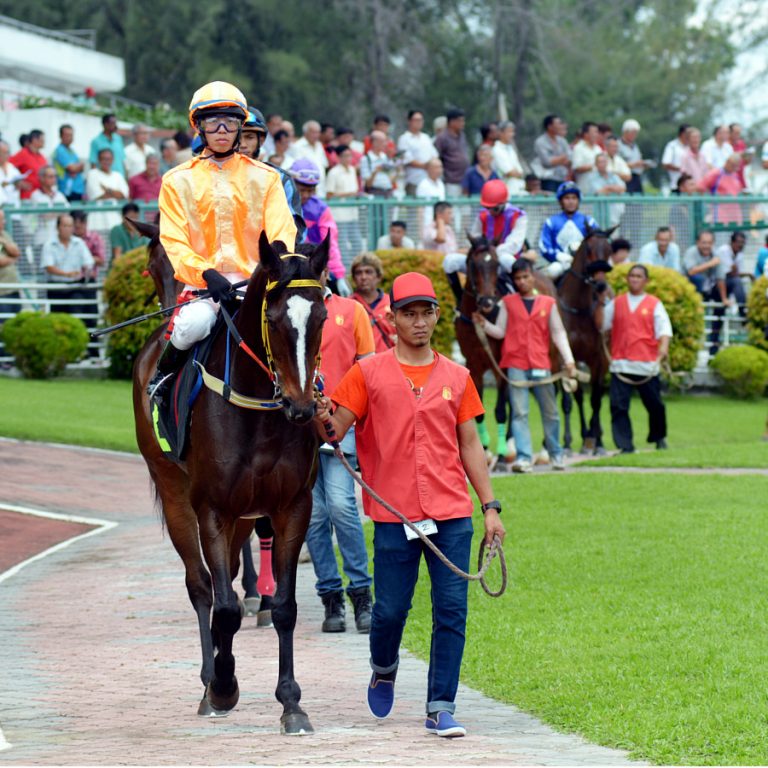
(196, 319)
(457, 262)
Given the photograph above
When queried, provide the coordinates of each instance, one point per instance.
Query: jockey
(213, 208)
(253, 134)
(319, 220)
(562, 233)
(501, 223)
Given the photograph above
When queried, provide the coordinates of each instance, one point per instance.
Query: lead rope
(483, 559)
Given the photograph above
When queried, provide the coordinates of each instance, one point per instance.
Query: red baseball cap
(410, 287)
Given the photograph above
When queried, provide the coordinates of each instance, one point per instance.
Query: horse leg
(586, 442)
(567, 401)
(596, 400)
(217, 536)
(290, 528)
(181, 521)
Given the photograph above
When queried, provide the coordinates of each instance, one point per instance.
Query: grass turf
(704, 431)
(635, 614)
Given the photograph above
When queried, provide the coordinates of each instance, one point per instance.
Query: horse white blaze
(299, 310)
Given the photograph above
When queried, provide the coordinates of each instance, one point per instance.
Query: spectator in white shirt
(673, 155)
(717, 149)
(47, 194)
(417, 150)
(396, 237)
(309, 145)
(730, 255)
(342, 183)
(376, 168)
(616, 163)
(432, 188)
(506, 161)
(662, 251)
(105, 185)
(136, 154)
(585, 151)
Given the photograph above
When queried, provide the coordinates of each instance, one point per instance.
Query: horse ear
(589, 230)
(472, 241)
(319, 258)
(611, 230)
(144, 227)
(267, 256)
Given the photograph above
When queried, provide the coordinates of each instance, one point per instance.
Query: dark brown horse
(481, 294)
(582, 315)
(243, 463)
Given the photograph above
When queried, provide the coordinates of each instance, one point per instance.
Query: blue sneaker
(381, 694)
(443, 724)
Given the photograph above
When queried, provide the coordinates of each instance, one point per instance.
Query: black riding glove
(601, 287)
(218, 286)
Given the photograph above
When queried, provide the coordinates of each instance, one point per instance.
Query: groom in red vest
(417, 444)
(640, 332)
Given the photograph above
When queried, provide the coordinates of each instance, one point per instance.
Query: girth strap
(231, 396)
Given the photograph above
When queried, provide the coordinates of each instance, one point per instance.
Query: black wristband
(491, 505)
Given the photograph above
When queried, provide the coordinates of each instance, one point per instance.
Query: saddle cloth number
(427, 527)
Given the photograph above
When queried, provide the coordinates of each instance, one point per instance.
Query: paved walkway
(99, 655)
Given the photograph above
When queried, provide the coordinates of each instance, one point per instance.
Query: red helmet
(493, 193)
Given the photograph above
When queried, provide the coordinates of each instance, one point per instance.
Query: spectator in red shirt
(93, 241)
(29, 160)
(145, 186)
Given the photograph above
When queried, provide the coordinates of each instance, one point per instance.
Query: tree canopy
(341, 61)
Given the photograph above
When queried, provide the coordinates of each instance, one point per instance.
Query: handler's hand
(570, 370)
(323, 409)
(493, 527)
(478, 318)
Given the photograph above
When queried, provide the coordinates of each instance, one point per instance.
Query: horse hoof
(295, 724)
(222, 703)
(264, 618)
(493, 463)
(251, 606)
(206, 710)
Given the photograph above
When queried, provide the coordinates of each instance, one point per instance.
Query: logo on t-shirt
(447, 395)
(339, 319)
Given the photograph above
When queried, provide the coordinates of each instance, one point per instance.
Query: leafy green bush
(744, 370)
(757, 314)
(682, 302)
(43, 344)
(128, 293)
(429, 263)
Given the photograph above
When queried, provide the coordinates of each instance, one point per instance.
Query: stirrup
(154, 386)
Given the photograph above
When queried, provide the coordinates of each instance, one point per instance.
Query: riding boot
(455, 283)
(171, 361)
(334, 612)
(361, 602)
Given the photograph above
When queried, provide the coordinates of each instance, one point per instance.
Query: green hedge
(757, 314)
(429, 263)
(43, 344)
(128, 293)
(744, 370)
(682, 302)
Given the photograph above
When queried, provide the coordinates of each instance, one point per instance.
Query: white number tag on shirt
(427, 527)
(538, 373)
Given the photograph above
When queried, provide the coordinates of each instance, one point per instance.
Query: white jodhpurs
(455, 262)
(196, 319)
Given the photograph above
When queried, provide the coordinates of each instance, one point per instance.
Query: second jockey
(562, 233)
(213, 208)
(500, 223)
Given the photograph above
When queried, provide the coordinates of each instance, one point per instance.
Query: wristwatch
(491, 505)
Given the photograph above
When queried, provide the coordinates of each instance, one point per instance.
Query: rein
(484, 559)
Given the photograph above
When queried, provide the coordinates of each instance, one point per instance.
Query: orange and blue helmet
(255, 121)
(217, 97)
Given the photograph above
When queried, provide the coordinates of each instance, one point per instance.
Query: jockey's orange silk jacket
(211, 216)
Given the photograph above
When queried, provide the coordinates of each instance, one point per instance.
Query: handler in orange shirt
(417, 444)
(366, 272)
(640, 332)
(346, 338)
(213, 209)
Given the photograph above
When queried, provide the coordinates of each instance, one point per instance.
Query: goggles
(494, 210)
(212, 123)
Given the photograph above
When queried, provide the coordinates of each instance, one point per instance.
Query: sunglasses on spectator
(212, 123)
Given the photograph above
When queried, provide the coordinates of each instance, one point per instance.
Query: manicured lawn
(92, 412)
(704, 431)
(635, 616)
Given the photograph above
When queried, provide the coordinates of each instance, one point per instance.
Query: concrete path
(99, 655)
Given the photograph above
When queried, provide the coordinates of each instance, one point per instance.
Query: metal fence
(363, 221)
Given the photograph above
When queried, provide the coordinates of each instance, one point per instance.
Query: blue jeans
(395, 573)
(334, 509)
(550, 418)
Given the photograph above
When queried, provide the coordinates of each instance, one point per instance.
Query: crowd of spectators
(434, 167)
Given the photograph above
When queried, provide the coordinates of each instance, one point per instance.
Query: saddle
(172, 419)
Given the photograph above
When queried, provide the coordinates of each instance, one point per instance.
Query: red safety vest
(407, 445)
(338, 348)
(526, 342)
(383, 330)
(633, 336)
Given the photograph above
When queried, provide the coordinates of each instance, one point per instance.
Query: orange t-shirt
(352, 393)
